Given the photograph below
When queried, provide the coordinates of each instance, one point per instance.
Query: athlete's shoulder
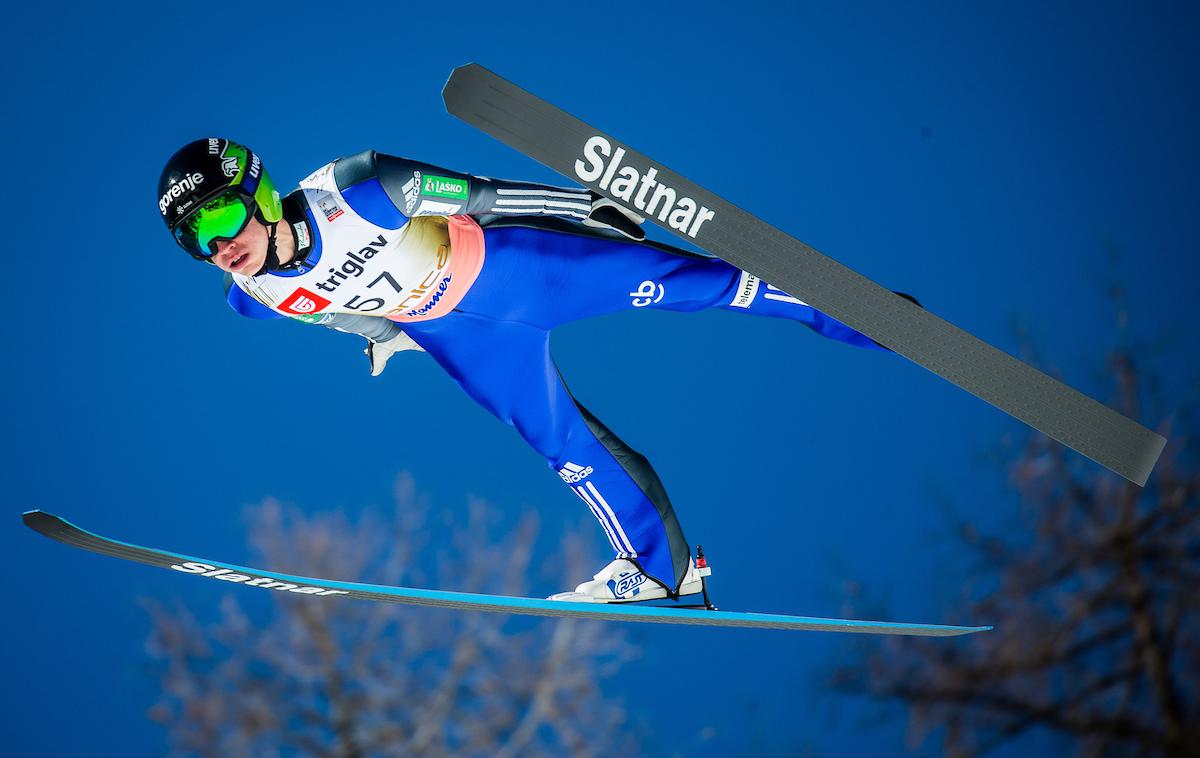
(355, 169)
(371, 164)
(241, 299)
(391, 188)
(370, 184)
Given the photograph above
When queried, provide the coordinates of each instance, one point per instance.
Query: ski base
(63, 531)
(600, 162)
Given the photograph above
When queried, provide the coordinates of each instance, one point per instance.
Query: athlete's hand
(379, 352)
(608, 215)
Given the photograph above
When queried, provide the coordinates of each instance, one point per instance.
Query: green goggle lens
(223, 217)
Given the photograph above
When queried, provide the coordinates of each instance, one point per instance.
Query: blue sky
(984, 159)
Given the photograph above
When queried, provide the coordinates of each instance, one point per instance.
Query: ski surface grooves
(63, 531)
(592, 158)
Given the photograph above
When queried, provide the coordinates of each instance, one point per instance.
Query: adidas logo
(572, 473)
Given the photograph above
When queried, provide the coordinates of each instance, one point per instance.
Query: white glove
(379, 352)
(607, 214)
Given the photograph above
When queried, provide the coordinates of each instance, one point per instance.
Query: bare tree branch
(355, 679)
(1096, 601)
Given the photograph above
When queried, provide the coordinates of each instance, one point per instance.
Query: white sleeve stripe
(536, 212)
(531, 210)
(535, 201)
(581, 195)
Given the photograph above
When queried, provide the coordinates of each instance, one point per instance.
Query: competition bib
(364, 269)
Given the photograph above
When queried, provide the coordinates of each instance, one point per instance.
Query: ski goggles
(222, 217)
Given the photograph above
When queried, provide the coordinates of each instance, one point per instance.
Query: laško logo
(302, 302)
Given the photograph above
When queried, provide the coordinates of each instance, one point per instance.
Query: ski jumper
(478, 272)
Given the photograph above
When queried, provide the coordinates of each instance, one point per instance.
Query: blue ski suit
(540, 268)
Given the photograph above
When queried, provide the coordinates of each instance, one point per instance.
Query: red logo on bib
(302, 302)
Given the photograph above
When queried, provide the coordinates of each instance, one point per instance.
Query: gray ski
(613, 169)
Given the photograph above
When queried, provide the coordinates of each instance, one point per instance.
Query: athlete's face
(244, 254)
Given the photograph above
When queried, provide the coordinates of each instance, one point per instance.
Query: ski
(613, 169)
(63, 531)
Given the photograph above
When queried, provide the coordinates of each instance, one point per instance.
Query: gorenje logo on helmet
(176, 190)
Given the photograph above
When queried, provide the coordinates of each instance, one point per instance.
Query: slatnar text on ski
(678, 212)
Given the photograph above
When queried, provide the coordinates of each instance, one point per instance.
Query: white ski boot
(623, 582)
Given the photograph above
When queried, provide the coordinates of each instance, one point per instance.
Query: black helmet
(210, 189)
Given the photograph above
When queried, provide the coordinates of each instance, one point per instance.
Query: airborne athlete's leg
(496, 346)
(550, 278)
(506, 367)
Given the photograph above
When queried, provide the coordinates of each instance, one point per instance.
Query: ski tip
(465, 85)
(1150, 454)
(930, 630)
(464, 68)
(459, 74)
(40, 521)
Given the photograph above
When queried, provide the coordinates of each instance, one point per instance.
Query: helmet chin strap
(272, 261)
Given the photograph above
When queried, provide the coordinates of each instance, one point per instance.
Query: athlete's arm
(423, 189)
(384, 337)
(506, 367)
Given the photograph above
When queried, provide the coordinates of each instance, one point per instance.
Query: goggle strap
(250, 183)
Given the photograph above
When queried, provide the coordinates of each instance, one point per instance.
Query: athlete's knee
(743, 287)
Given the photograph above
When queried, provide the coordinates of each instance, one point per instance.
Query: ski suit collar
(295, 215)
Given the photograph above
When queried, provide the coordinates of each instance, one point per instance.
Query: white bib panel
(364, 269)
